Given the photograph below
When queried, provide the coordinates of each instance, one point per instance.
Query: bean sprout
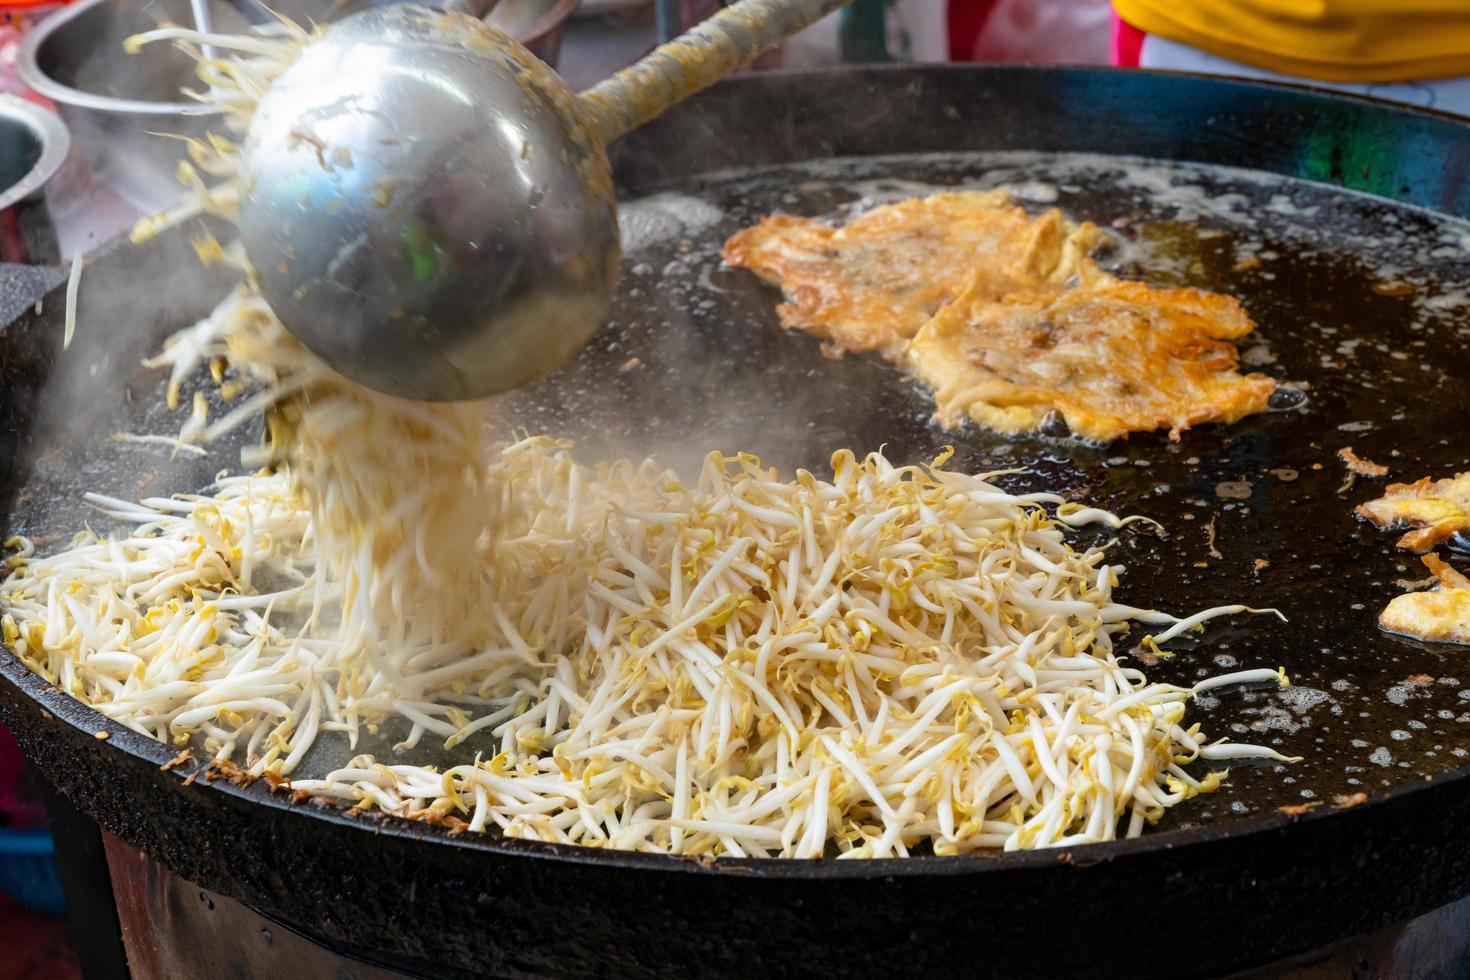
(648, 664)
(73, 284)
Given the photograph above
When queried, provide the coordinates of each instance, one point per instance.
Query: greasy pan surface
(1359, 303)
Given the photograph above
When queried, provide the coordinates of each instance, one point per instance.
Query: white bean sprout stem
(73, 284)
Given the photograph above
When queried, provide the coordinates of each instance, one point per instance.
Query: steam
(128, 300)
(686, 360)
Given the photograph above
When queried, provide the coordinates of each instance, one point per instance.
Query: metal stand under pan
(171, 928)
(165, 927)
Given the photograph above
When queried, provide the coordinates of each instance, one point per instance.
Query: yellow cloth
(1330, 40)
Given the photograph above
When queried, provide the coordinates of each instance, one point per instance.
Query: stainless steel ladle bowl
(428, 207)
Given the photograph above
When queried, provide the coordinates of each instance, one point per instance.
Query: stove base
(171, 928)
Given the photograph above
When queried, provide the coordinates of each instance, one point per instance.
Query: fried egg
(869, 285)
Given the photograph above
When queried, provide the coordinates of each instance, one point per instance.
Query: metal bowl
(33, 145)
(537, 24)
(116, 104)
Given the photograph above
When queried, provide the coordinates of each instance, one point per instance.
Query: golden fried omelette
(873, 282)
(1007, 317)
(1110, 356)
(1435, 509)
(1443, 614)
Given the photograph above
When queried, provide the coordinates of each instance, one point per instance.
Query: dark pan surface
(1359, 302)
(707, 365)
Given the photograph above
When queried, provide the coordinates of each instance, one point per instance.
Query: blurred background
(112, 103)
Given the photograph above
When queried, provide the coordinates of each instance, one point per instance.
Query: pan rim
(1304, 87)
(87, 721)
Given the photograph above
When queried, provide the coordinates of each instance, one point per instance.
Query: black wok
(1353, 281)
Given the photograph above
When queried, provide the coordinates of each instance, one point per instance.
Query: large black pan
(1355, 298)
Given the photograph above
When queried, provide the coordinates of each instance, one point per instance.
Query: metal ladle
(430, 209)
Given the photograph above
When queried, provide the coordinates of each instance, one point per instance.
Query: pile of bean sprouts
(390, 544)
(741, 664)
(747, 665)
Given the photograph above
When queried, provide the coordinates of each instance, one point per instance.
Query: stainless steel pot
(33, 145)
(115, 104)
(537, 24)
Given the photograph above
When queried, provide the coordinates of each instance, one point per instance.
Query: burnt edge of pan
(86, 721)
